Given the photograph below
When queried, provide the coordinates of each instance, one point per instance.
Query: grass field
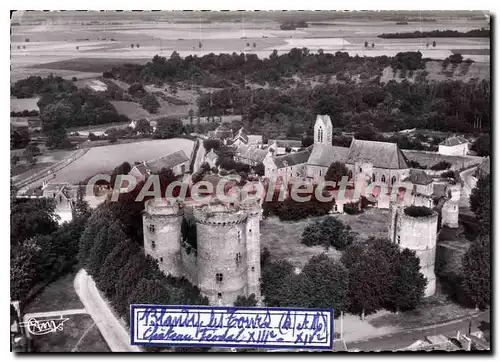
(132, 110)
(19, 105)
(80, 334)
(283, 238)
(106, 158)
(59, 295)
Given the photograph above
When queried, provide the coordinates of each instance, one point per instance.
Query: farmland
(106, 158)
(70, 46)
(19, 105)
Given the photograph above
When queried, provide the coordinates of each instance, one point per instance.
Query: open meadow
(106, 158)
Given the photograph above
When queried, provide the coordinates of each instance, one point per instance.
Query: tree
(81, 208)
(14, 160)
(113, 263)
(150, 103)
(242, 301)
(336, 171)
(325, 283)
(100, 220)
(275, 280)
(168, 128)
(31, 217)
(328, 232)
(480, 203)
(148, 292)
(143, 126)
(23, 270)
(476, 276)
(409, 285)
(482, 145)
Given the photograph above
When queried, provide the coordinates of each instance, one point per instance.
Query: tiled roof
(419, 177)
(251, 153)
(167, 161)
(453, 141)
(292, 159)
(286, 143)
(325, 155)
(211, 155)
(141, 168)
(380, 154)
(241, 135)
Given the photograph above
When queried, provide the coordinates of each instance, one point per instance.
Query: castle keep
(226, 260)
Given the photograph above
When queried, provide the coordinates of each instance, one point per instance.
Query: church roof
(380, 154)
(292, 159)
(453, 141)
(325, 155)
(167, 161)
(325, 119)
(419, 177)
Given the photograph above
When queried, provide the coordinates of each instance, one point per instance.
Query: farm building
(177, 161)
(454, 146)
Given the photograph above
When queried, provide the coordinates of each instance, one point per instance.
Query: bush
(352, 208)
(74, 79)
(418, 211)
(442, 165)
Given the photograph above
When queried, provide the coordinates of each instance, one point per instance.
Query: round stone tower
(222, 252)
(254, 215)
(162, 221)
(449, 212)
(415, 228)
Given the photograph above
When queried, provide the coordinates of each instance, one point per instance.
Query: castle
(226, 260)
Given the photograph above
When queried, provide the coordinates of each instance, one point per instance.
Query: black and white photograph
(250, 181)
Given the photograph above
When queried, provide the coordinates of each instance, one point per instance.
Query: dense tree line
(451, 106)
(225, 70)
(475, 33)
(369, 277)
(40, 249)
(35, 85)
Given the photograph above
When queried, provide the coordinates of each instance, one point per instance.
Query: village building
(454, 146)
(282, 147)
(177, 161)
(211, 158)
(250, 155)
(287, 167)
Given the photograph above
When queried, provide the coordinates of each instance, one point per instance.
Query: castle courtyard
(282, 238)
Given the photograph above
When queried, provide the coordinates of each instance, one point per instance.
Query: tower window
(161, 260)
(153, 244)
(219, 295)
(399, 239)
(239, 235)
(151, 228)
(373, 177)
(393, 180)
(383, 178)
(238, 258)
(218, 277)
(360, 169)
(253, 268)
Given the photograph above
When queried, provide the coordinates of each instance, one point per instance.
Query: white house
(454, 146)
